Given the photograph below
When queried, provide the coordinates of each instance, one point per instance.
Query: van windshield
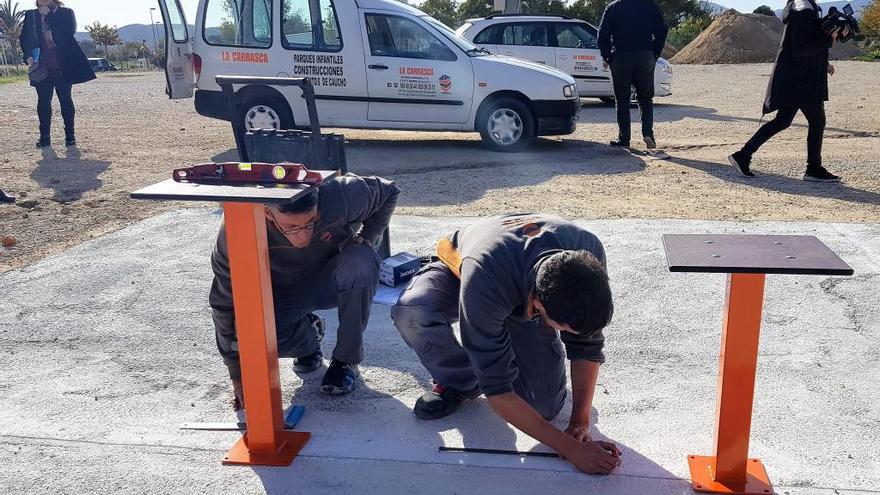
(460, 42)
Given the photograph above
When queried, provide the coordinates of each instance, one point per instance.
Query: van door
(413, 73)
(577, 53)
(178, 51)
(528, 41)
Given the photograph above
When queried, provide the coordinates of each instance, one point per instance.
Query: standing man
(516, 282)
(631, 38)
(317, 261)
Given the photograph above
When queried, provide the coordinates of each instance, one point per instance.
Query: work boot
(237, 395)
(6, 198)
(44, 142)
(742, 163)
(442, 401)
(650, 143)
(620, 143)
(315, 360)
(819, 174)
(341, 378)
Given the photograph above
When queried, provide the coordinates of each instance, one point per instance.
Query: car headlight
(664, 66)
(569, 91)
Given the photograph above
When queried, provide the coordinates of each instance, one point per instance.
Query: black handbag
(37, 72)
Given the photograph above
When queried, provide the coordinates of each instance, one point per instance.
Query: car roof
(526, 17)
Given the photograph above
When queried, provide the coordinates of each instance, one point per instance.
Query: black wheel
(506, 124)
(265, 112)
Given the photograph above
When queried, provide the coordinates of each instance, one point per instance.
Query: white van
(376, 64)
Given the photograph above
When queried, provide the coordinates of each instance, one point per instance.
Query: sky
(123, 12)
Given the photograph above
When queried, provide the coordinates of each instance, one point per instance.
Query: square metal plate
(169, 190)
(721, 253)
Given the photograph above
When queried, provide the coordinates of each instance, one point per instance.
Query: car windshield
(460, 42)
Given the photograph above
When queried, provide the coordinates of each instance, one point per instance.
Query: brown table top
(723, 253)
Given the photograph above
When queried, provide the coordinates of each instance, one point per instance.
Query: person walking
(632, 35)
(799, 83)
(47, 38)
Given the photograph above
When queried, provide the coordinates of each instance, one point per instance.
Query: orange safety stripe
(449, 256)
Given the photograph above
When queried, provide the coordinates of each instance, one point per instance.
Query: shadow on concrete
(69, 177)
(783, 184)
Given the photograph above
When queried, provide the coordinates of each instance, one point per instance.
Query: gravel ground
(131, 135)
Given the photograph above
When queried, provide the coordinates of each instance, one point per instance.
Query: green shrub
(690, 28)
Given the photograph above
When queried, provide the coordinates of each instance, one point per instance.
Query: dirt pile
(735, 38)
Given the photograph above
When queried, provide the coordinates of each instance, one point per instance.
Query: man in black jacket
(317, 261)
(799, 82)
(631, 37)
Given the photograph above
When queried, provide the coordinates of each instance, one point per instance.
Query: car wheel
(265, 113)
(506, 124)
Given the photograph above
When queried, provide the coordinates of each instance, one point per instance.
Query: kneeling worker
(317, 261)
(517, 283)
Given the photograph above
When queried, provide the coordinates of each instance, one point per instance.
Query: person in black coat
(799, 82)
(50, 27)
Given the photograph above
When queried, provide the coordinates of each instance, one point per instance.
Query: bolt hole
(777, 243)
(791, 257)
(710, 242)
(716, 255)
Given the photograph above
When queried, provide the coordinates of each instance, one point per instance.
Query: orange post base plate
(293, 442)
(703, 467)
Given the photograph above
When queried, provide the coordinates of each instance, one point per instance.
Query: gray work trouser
(630, 69)
(347, 282)
(424, 315)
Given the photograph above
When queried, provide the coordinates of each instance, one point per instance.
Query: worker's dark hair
(573, 288)
(302, 204)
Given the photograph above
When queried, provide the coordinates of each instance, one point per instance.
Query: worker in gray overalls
(516, 283)
(318, 260)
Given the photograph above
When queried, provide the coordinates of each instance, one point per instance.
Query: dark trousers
(347, 282)
(424, 315)
(815, 115)
(630, 69)
(60, 86)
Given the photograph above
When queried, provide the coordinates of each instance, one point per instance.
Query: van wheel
(265, 112)
(506, 124)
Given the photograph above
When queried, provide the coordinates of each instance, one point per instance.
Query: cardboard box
(399, 268)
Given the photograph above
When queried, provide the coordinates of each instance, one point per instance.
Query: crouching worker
(318, 261)
(516, 283)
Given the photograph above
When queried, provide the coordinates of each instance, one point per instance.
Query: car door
(577, 53)
(528, 41)
(414, 74)
(179, 76)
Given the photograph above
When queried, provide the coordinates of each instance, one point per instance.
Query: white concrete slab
(108, 347)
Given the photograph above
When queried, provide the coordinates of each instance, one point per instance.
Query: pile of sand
(735, 38)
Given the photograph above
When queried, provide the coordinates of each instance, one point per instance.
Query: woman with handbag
(799, 83)
(56, 63)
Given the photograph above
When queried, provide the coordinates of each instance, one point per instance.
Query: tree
(765, 10)
(870, 22)
(445, 11)
(10, 24)
(103, 35)
(470, 9)
(681, 35)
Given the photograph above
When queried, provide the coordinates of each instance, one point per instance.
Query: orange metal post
(730, 470)
(265, 442)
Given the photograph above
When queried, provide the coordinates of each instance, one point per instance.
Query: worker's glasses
(294, 230)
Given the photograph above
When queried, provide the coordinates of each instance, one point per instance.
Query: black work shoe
(6, 198)
(44, 142)
(315, 360)
(741, 162)
(819, 174)
(341, 378)
(70, 141)
(650, 143)
(620, 144)
(442, 401)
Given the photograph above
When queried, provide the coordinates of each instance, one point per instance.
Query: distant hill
(135, 33)
(857, 5)
(714, 8)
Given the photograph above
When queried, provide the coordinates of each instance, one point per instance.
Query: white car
(376, 64)
(568, 44)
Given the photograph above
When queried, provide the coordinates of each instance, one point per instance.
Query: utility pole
(153, 26)
(512, 6)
